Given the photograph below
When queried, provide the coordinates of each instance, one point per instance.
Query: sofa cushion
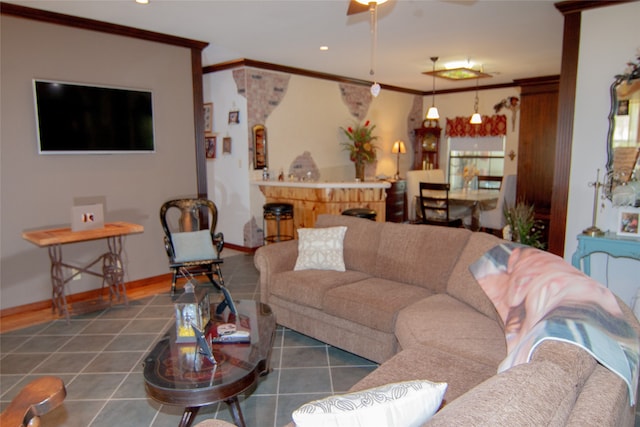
(463, 286)
(461, 374)
(361, 240)
(372, 302)
(407, 403)
(193, 246)
(320, 249)
(422, 255)
(307, 287)
(535, 394)
(444, 322)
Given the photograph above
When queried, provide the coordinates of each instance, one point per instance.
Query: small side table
(112, 273)
(610, 244)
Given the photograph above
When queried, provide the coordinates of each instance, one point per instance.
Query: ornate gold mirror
(623, 164)
(260, 160)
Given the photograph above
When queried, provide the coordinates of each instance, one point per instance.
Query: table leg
(58, 297)
(188, 416)
(236, 412)
(113, 271)
(475, 217)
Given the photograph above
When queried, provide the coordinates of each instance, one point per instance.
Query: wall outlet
(77, 276)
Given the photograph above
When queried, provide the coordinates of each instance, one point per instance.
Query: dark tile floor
(99, 357)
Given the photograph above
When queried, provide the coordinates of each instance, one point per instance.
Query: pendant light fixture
(476, 119)
(373, 13)
(432, 113)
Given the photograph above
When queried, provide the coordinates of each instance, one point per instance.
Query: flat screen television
(81, 119)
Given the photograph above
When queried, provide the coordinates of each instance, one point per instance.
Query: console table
(610, 244)
(112, 273)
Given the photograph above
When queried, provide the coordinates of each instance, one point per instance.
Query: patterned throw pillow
(321, 249)
(406, 404)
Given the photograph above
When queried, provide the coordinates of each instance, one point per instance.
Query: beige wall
(37, 191)
(610, 37)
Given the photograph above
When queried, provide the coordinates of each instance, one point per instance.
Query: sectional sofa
(408, 301)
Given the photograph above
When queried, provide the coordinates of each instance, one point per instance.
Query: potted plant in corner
(361, 147)
(522, 227)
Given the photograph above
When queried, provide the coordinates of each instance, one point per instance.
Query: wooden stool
(361, 213)
(277, 212)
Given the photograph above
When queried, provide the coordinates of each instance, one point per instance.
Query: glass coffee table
(176, 374)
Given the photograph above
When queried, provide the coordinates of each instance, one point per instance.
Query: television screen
(79, 119)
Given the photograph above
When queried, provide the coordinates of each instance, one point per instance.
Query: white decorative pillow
(406, 404)
(193, 246)
(321, 248)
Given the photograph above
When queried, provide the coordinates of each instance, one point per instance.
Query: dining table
(477, 200)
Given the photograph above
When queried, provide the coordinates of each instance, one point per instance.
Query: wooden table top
(55, 236)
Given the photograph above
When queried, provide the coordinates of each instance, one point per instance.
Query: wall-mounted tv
(81, 119)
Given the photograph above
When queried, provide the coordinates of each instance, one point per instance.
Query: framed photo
(628, 222)
(234, 117)
(208, 117)
(210, 147)
(226, 145)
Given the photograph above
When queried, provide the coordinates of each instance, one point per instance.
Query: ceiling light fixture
(373, 13)
(476, 119)
(142, 1)
(432, 113)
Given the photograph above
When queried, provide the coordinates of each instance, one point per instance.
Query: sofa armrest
(272, 259)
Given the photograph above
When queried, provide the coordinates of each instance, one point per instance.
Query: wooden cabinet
(537, 144)
(426, 148)
(396, 203)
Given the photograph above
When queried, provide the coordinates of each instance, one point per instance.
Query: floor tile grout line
(275, 412)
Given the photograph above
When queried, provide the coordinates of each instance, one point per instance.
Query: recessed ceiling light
(142, 1)
(324, 47)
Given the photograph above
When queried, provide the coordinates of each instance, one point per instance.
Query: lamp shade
(476, 119)
(399, 147)
(432, 114)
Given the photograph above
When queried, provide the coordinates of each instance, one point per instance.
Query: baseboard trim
(82, 296)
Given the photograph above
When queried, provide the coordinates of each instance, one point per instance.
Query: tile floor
(99, 357)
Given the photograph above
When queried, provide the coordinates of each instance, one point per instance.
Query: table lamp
(398, 148)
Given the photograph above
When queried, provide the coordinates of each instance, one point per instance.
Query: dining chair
(414, 178)
(435, 206)
(190, 239)
(493, 220)
(487, 182)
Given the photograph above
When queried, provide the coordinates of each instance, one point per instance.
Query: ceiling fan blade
(355, 7)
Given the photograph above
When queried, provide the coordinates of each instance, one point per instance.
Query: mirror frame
(260, 153)
(631, 73)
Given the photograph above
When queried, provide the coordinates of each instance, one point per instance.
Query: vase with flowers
(361, 147)
(469, 173)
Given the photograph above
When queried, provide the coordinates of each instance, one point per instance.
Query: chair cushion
(193, 246)
(321, 249)
(409, 403)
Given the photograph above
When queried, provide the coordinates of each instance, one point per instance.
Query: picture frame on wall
(208, 117)
(226, 145)
(234, 117)
(210, 146)
(628, 219)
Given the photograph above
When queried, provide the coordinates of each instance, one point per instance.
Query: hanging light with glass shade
(432, 113)
(476, 118)
(373, 15)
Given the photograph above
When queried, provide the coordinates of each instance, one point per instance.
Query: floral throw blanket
(539, 296)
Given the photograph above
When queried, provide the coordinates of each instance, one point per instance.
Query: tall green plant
(524, 227)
